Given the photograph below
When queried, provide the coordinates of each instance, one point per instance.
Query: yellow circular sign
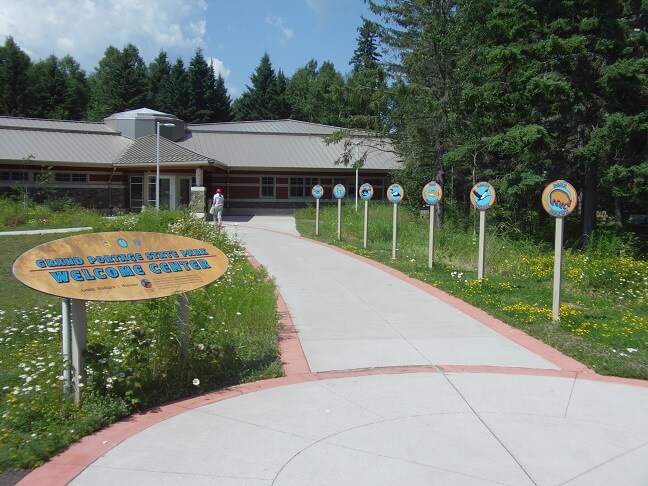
(120, 266)
(559, 198)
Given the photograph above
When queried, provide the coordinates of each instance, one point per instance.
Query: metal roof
(247, 150)
(144, 152)
(275, 144)
(266, 126)
(62, 147)
(57, 125)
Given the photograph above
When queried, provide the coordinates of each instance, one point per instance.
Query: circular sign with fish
(432, 193)
(559, 199)
(482, 196)
(366, 191)
(339, 191)
(395, 193)
(317, 191)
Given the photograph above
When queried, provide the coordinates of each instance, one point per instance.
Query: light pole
(157, 161)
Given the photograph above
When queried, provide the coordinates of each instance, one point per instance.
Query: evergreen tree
(365, 55)
(160, 89)
(119, 83)
(201, 86)
(14, 79)
(222, 106)
(299, 93)
(47, 89)
(77, 90)
(179, 91)
(260, 99)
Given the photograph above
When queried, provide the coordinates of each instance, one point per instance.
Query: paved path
(394, 383)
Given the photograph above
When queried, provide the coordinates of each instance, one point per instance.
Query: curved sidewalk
(390, 382)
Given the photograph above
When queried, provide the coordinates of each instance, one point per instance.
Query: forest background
(517, 93)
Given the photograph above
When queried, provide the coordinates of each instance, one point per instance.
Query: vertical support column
(366, 223)
(431, 240)
(199, 177)
(67, 345)
(79, 331)
(339, 228)
(557, 280)
(183, 323)
(394, 231)
(197, 202)
(482, 245)
(317, 216)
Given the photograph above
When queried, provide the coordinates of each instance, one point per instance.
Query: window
(136, 191)
(14, 176)
(301, 186)
(71, 177)
(267, 187)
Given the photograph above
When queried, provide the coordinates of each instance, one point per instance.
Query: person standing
(218, 201)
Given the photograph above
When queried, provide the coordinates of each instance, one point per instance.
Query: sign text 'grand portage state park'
(120, 266)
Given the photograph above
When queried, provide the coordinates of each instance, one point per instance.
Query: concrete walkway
(390, 382)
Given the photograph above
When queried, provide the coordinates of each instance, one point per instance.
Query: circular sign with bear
(559, 198)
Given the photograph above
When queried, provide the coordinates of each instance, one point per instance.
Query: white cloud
(219, 67)
(285, 33)
(85, 28)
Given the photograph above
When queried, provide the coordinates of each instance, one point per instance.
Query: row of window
(23, 176)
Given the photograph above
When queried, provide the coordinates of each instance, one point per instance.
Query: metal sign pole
(317, 217)
(482, 244)
(67, 345)
(431, 241)
(339, 228)
(366, 224)
(79, 331)
(183, 323)
(394, 231)
(557, 281)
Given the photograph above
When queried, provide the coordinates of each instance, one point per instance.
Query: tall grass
(133, 357)
(604, 311)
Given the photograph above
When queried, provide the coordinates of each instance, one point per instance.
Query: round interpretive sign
(559, 199)
(366, 191)
(120, 266)
(482, 196)
(317, 191)
(339, 191)
(432, 193)
(395, 193)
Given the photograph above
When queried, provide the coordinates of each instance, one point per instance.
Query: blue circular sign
(482, 196)
(317, 191)
(432, 193)
(366, 191)
(339, 191)
(395, 193)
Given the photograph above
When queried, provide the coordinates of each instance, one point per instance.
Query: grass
(604, 300)
(133, 360)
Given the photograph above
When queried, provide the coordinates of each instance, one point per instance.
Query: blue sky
(232, 33)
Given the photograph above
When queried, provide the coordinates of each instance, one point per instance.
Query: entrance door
(167, 192)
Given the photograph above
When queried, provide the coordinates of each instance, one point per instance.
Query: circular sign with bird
(395, 193)
(559, 198)
(339, 191)
(317, 191)
(366, 191)
(482, 196)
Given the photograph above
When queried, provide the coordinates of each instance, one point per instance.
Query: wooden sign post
(432, 194)
(116, 266)
(559, 199)
(482, 197)
(395, 194)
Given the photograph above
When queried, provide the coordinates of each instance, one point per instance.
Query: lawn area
(604, 306)
(133, 359)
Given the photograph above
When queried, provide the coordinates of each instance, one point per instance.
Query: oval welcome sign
(120, 266)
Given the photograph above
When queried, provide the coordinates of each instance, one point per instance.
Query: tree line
(59, 89)
(515, 92)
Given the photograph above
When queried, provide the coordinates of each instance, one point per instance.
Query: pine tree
(14, 79)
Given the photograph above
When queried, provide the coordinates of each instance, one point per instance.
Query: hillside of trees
(515, 92)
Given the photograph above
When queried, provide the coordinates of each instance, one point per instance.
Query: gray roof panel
(266, 126)
(57, 125)
(144, 152)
